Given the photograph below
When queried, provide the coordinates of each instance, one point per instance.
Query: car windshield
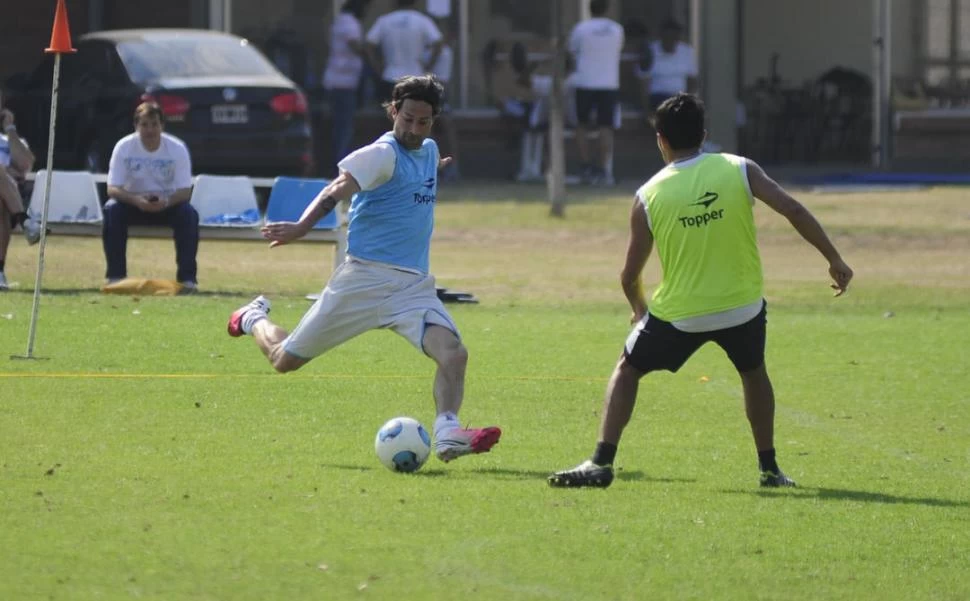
(150, 59)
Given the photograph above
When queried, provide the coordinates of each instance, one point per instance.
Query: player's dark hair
(680, 120)
(425, 88)
(149, 109)
(405, 3)
(598, 8)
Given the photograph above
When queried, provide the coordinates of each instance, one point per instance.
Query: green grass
(148, 455)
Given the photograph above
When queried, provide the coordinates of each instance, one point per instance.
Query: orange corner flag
(61, 34)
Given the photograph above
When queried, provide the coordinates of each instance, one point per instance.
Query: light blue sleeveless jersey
(393, 222)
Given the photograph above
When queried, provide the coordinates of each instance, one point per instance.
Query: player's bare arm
(343, 187)
(638, 250)
(772, 194)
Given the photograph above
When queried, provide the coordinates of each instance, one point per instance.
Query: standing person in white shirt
(341, 76)
(396, 45)
(16, 160)
(150, 183)
(596, 45)
(674, 68)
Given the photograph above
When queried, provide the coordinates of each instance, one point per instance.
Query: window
(946, 46)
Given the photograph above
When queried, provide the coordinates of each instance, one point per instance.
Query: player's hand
(153, 204)
(841, 276)
(281, 232)
(444, 162)
(145, 204)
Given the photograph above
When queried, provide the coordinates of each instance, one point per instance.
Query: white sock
(249, 320)
(444, 422)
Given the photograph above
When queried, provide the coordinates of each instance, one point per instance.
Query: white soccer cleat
(452, 444)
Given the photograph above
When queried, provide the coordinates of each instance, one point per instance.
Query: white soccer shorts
(363, 296)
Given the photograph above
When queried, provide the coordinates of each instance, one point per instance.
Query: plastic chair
(74, 198)
(225, 201)
(290, 196)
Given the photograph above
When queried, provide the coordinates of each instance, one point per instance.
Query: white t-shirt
(403, 36)
(343, 65)
(669, 72)
(371, 165)
(139, 171)
(596, 45)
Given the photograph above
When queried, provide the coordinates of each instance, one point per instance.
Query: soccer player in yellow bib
(698, 212)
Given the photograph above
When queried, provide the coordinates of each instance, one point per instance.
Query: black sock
(766, 461)
(605, 453)
(2, 265)
(18, 219)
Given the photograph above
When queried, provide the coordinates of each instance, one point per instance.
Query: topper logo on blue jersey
(420, 199)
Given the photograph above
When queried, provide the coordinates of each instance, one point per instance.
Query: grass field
(150, 456)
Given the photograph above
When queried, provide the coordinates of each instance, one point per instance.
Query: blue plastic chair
(290, 196)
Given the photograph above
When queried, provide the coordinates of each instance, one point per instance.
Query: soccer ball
(402, 444)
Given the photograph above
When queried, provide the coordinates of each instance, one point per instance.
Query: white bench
(75, 209)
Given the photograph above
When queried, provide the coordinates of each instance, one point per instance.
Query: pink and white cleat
(259, 306)
(456, 442)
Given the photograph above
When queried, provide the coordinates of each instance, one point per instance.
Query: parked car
(236, 112)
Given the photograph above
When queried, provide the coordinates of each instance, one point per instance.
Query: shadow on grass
(841, 494)
(424, 473)
(627, 475)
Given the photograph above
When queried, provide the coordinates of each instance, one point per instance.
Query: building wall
(23, 39)
(126, 14)
(812, 37)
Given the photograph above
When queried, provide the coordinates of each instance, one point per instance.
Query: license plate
(229, 114)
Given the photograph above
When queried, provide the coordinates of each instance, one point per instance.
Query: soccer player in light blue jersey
(384, 283)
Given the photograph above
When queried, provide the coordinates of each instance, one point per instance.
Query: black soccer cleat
(776, 480)
(586, 474)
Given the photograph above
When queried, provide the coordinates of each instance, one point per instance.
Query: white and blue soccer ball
(402, 444)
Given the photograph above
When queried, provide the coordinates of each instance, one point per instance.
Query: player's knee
(626, 371)
(284, 362)
(456, 359)
(459, 356)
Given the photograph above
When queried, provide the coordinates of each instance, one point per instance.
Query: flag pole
(60, 44)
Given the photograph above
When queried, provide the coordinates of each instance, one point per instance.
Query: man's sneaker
(259, 304)
(189, 287)
(3, 282)
(454, 443)
(586, 474)
(776, 480)
(31, 231)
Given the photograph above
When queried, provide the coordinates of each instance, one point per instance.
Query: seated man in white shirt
(150, 183)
